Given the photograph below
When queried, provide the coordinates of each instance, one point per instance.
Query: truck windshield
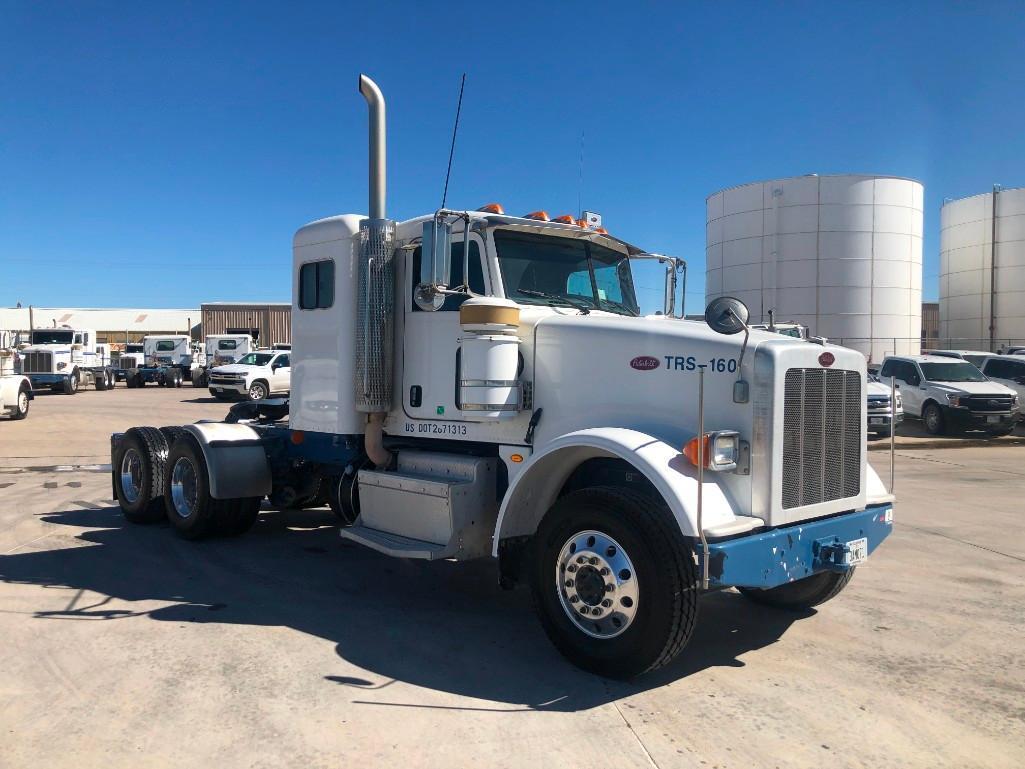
(226, 344)
(256, 359)
(952, 372)
(166, 345)
(133, 348)
(571, 272)
(52, 336)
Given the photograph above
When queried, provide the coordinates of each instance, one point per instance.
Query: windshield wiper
(557, 298)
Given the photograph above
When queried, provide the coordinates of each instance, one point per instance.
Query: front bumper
(227, 388)
(772, 558)
(46, 379)
(966, 419)
(881, 422)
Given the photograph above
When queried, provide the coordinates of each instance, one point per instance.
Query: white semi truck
(65, 359)
(15, 389)
(222, 350)
(509, 401)
(167, 361)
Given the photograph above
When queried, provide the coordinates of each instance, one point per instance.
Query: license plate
(992, 419)
(876, 420)
(857, 551)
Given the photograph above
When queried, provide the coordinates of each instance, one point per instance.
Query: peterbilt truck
(508, 401)
(65, 359)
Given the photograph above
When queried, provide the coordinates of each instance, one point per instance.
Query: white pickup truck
(256, 376)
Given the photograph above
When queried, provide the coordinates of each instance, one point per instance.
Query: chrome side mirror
(728, 315)
(435, 264)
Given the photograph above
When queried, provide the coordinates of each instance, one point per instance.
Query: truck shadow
(443, 626)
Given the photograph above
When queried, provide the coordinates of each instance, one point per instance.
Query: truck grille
(879, 403)
(823, 424)
(37, 363)
(988, 402)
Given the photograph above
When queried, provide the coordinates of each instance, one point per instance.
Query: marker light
(492, 208)
(719, 452)
(298, 436)
(565, 219)
(541, 216)
(601, 230)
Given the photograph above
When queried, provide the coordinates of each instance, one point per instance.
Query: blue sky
(163, 154)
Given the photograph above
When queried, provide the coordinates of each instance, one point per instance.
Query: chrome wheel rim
(22, 402)
(184, 487)
(931, 419)
(74, 384)
(131, 476)
(597, 584)
(256, 392)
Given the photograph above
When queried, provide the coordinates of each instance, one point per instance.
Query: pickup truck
(256, 376)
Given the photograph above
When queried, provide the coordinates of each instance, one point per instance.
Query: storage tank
(982, 270)
(839, 254)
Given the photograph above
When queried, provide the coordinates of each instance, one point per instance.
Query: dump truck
(470, 384)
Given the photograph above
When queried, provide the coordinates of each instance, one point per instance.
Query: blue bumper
(775, 557)
(46, 379)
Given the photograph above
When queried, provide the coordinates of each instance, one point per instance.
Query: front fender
(537, 486)
(235, 459)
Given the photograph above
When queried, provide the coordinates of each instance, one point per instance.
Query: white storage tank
(973, 295)
(841, 255)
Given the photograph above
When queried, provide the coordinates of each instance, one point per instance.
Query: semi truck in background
(167, 361)
(469, 384)
(15, 389)
(65, 359)
(222, 350)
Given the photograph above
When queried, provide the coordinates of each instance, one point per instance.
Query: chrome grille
(987, 402)
(37, 363)
(823, 427)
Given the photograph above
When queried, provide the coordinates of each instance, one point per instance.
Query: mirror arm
(741, 390)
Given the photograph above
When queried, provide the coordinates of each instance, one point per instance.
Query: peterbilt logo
(645, 363)
(826, 359)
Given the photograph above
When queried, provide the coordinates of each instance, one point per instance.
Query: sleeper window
(317, 285)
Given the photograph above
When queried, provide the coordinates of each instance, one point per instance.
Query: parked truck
(15, 389)
(508, 400)
(65, 359)
(167, 361)
(222, 350)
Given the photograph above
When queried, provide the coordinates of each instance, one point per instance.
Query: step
(394, 544)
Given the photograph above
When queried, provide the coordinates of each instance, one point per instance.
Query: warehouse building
(114, 326)
(269, 322)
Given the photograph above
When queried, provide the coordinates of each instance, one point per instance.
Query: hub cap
(184, 487)
(131, 475)
(22, 402)
(256, 392)
(596, 584)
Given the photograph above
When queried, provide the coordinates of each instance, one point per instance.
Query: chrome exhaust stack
(375, 306)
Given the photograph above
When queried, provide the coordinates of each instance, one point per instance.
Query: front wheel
(257, 391)
(22, 404)
(71, 384)
(802, 594)
(614, 583)
(933, 418)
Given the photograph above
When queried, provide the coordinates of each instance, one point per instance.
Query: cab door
(430, 341)
(907, 378)
(281, 373)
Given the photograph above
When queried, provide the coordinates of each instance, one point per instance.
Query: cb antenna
(452, 149)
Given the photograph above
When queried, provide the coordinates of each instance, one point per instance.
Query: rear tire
(100, 380)
(190, 508)
(640, 584)
(802, 594)
(932, 416)
(138, 468)
(70, 386)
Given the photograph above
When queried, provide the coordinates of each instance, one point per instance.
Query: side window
(85, 339)
(283, 362)
(1004, 369)
(911, 375)
(226, 344)
(476, 275)
(889, 369)
(78, 339)
(317, 285)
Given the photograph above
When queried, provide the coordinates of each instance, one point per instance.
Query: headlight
(720, 450)
(900, 403)
(954, 400)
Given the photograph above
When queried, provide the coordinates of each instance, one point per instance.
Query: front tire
(934, 421)
(258, 391)
(71, 384)
(614, 583)
(22, 404)
(802, 594)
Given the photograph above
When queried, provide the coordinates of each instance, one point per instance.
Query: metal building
(839, 254)
(272, 321)
(114, 326)
(982, 270)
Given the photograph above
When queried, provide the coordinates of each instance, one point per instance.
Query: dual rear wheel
(162, 474)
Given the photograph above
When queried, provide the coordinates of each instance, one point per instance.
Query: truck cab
(222, 350)
(64, 359)
(15, 389)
